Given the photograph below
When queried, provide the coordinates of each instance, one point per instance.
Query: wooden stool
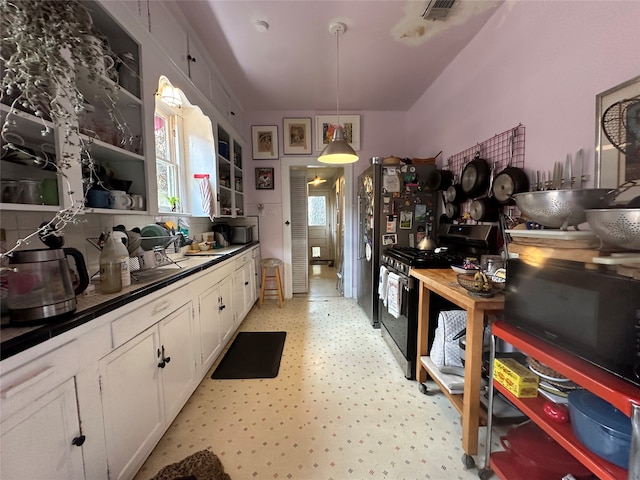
(266, 264)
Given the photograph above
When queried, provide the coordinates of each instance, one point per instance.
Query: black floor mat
(252, 355)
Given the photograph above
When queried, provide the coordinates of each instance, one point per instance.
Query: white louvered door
(299, 235)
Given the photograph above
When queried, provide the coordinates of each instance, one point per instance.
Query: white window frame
(176, 151)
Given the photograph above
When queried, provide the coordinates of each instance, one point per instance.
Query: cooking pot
(475, 176)
(600, 427)
(41, 288)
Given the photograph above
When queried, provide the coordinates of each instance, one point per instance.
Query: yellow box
(515, 377)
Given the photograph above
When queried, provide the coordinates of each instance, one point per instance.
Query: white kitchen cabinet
(139, 10)
(181, 47)
(144, 384)
(209, 303)
(257, 271)
(243, 286)
(132, 403)
(43, 440)
(229, 175)
(114, 147)
(227, 317)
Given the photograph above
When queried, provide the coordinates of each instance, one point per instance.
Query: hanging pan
(451, 210)
(475, 176)
(440, 179)
(511, 180)
(487, 208)
(454, 193)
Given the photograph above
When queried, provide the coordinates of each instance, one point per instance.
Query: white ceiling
(389, 55)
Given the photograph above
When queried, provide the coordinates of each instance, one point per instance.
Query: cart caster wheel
(468, 461)
(423, 388)
(485, 473)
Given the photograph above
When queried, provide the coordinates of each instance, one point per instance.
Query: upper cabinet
(102, 141)
(230, 177)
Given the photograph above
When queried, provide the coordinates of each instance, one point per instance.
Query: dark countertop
(15, 339)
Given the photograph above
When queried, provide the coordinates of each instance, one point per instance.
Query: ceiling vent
(438, 9)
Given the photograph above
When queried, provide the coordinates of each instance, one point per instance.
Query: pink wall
(539, 63)
(379, 137)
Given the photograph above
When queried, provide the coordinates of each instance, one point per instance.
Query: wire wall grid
(496, 151)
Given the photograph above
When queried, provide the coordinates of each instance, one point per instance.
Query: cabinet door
(167, 31)
(227, 317)
(36, 441)
(199, 70)
(243, 291)
(132, 403)
(178, 361)
(209, 317)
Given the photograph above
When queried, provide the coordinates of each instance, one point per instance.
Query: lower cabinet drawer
(147, 314)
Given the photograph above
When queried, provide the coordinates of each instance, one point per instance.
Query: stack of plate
(552, 385)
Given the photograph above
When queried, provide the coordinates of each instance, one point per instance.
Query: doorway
(325, 278)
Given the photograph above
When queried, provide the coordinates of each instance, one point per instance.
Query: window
(317, 211)
(168, 135)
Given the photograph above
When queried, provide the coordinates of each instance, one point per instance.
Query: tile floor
(340, 407)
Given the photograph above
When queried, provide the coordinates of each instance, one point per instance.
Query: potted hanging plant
(42, 46)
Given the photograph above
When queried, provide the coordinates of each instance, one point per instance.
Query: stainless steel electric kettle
(40, 284)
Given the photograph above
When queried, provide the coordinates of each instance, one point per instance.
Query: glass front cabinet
(230, 179)
(50, 163)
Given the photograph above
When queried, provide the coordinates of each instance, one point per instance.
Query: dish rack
(137, 263)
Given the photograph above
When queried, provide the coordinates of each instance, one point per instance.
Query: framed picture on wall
(265, 142)
(326, 124)
(297, 136)
(264, 178)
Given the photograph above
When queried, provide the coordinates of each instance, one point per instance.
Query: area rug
(202, 465)
(252, 355)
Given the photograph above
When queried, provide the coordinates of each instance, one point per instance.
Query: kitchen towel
(394, 295)
(207, 196)
(382, 284)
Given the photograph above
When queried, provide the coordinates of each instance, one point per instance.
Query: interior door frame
(286, 164)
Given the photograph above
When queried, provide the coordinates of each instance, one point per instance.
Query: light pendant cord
(338, 75)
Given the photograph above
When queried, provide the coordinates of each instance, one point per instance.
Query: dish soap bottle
(110, 267)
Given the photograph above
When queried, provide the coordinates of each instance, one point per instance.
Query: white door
(347, 277)
(178, 358)
(132, 403)
(227, 318)
(299, 232)
(209, 316)
(36, 441)
(320, 220)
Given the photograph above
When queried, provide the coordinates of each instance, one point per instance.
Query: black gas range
(400, 329)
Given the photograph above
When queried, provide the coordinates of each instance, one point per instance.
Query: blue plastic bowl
(602, 428)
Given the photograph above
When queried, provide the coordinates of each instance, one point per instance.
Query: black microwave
(586, 310)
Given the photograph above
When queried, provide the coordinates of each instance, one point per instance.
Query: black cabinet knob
(78, 441)
(246, 283)
(162, 364)
(191, 59)
(167, 359)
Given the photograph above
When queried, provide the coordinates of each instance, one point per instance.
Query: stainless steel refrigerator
(395, 209)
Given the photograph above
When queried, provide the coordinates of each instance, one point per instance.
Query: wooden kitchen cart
(444, 282)
(621, 394)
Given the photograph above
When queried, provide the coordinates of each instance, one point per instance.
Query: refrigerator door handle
(360, 230)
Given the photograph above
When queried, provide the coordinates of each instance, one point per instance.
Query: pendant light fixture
(338, 150)
(316, 181)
